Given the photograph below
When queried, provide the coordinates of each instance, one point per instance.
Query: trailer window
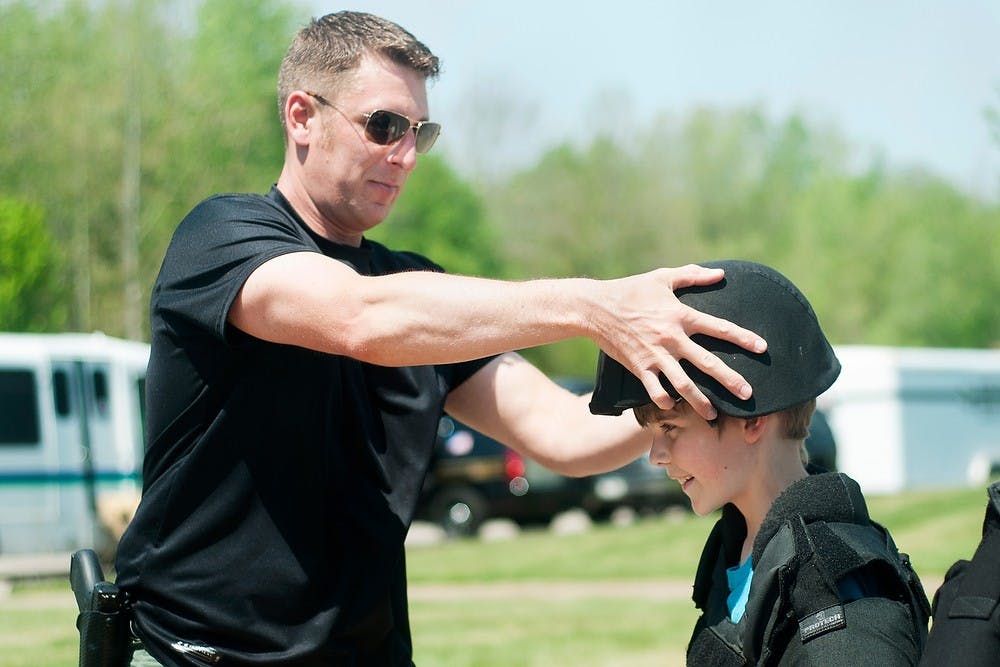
(100, 379)
(18, 408)
(60, 392)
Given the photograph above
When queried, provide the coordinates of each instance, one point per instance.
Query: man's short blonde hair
(327, 51)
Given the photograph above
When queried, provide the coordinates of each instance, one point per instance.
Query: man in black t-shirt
(298, 371)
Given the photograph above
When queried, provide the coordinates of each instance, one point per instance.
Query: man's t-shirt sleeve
(215, 249)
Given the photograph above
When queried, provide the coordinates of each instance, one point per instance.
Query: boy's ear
(753, 427)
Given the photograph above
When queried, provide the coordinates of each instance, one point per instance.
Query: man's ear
(300, 111)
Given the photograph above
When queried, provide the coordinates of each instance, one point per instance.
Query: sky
(906, 82)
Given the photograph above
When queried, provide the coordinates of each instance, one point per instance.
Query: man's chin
(376, 212)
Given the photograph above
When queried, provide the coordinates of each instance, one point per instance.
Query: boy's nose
(659, 452)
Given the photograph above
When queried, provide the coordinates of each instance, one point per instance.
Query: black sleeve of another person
(966, 612)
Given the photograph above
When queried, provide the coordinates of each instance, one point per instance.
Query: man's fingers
(683, 347)
(692, 274)
(716, 327)
(664, 334)
(659, 395)
(681, 383)
(718, 369)
(695, 321)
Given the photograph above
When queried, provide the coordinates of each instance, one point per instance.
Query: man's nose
(404, 153)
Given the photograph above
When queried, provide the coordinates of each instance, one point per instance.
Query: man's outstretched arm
(423, 317)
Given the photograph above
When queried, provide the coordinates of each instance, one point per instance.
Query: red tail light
(513, 465)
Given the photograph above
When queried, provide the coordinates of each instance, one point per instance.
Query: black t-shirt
(279, 482)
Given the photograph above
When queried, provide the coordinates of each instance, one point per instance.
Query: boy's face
(708, 461)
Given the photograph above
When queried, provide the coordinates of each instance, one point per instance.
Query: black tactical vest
(817, 534)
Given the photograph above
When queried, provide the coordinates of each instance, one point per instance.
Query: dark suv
(473, 478)
(639, 485)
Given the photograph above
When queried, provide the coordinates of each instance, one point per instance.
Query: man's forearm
(406, 319)
(420, 318)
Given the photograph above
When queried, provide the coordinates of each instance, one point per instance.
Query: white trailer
(909, 418)
(71, 441)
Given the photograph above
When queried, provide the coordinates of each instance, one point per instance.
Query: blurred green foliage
(31, 271)
(886, 257)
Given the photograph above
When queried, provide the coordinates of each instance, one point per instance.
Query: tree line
(120, 116)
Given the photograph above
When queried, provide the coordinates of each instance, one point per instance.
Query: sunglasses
(387, 127)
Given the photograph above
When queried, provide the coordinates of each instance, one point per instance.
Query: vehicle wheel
(460, 510)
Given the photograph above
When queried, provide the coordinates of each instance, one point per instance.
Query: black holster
(105, 636)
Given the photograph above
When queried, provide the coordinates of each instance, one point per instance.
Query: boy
(795, 571)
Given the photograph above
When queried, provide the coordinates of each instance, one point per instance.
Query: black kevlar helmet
(799, 363)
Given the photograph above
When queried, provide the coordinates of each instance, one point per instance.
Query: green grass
(665, 548)
(597, 632)
(37, 626)
(935, 528)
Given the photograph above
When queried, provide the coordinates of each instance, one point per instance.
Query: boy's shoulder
(828, 553)
(827, 497)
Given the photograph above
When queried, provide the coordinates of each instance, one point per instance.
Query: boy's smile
(681, 479)
(705, 460)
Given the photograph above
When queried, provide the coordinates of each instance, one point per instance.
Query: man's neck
(304, 205)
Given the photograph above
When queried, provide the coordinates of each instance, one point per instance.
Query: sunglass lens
(386, 127)
(427, 134)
